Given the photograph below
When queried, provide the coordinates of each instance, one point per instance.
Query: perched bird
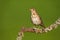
(36, 19)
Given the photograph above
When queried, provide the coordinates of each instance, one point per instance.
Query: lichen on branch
(37, 30)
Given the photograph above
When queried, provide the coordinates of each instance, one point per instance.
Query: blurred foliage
(15, 13)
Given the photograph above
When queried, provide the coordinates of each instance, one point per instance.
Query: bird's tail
(42, 25)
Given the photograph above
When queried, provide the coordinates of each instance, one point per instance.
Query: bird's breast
(36, 20)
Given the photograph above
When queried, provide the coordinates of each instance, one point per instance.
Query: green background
(15, 14)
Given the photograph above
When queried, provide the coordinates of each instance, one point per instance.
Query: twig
(36, 30)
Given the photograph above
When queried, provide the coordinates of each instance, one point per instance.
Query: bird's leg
(35, 27)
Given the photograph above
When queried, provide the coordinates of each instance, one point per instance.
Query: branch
(37, 30)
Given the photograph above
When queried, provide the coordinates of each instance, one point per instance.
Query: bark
(37, 30)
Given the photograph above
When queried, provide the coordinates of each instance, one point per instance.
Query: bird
(36, 19)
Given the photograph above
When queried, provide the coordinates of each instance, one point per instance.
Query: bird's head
(33, 12)
(32, 9)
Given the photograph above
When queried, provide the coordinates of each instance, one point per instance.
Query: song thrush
(36, 19)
